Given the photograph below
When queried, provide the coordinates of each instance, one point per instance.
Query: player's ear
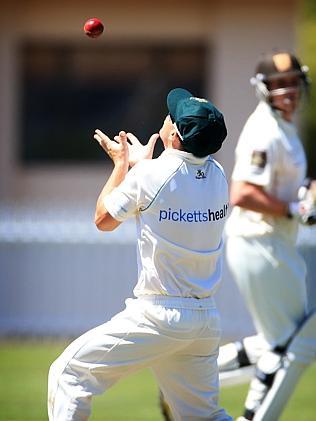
(176, 143)
(173, 133)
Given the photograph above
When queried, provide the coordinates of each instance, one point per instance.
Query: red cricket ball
(93, 27)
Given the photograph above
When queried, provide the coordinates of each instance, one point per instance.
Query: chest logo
(200, 174)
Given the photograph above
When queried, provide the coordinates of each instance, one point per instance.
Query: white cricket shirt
(180, 203)
(269, 153)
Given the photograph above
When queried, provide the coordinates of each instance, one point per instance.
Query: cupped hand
(116, 149)
(138, 151)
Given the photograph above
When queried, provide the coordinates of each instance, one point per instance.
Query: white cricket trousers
(271, 277)
(177, 338)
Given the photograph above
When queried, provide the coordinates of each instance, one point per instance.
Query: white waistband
(179, 302)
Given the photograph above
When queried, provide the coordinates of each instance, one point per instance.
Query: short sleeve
(256, 161)
(123, 202)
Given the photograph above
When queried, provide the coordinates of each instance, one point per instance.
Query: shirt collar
(186, 156)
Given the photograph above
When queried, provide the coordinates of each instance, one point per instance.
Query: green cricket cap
(200, 125)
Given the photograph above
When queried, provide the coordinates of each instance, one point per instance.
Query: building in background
(57, 86)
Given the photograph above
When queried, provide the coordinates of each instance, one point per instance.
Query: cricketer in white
(180, 202)
(261, 234)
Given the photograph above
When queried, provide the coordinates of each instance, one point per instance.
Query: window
(69, 90)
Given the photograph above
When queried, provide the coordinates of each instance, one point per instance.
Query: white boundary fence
(61, 277)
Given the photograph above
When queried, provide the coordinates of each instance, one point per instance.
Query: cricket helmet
(279, 66)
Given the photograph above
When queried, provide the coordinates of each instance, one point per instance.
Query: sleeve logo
(259, 159)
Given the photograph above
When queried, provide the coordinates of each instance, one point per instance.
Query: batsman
(270, 199)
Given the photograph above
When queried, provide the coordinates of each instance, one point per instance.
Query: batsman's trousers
(177, 338)
(271, 277)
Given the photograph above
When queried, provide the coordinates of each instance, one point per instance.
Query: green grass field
(23, 378)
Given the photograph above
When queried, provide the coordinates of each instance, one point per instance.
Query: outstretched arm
(125, 151)
(118, 152)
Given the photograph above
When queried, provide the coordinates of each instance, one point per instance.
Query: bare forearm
(249, 196)
(118, 174)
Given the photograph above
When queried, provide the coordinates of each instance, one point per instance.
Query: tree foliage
(307, 39)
